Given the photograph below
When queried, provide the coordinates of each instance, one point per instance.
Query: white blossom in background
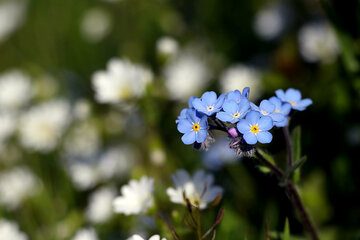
(185, 76)
(11, 16)
(136, 197)
(82, 109)
(138, 237)
(270, 22)
(240, 76)
(84, 176)
(199, 189)
(10, 231)
(15, 89)
(85, 234)
(100, 208)
(7, 126)
(96, 24)
(121, 81)
(167, 46)
(116, 161)
(42, 126)
(83, 141)
(318, 43)
(16, 185)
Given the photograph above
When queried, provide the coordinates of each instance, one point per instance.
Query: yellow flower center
(196, 127)
(236, 115)
(276, 111)
(292, 103)
(254, 129)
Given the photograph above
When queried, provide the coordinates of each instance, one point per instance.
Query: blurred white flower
(158, 156)
(185, 76)
(82, 109)
(138, 237)
(219, 155)
(96, 24)
(84, 176)
(199, 190)
(11, 16)
(83, 141)
(167, 46)
(121, 81)
(240, 76)
(15, 89)
(269, 22)
(85, 234)
(10, 231)
(100, 205)
(116, 161)
(16, 185)
(318, 43)
(136, 198)
(42, 126)
(7, 125)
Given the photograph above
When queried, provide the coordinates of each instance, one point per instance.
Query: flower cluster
(245, 122)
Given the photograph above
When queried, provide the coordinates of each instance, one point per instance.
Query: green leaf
(268, 157)
(296, 143)
(295, 166)
(286, 230)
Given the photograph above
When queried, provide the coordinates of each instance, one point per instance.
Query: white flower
(10, 231)
(16, 185)
(84, 176)
(240, 76)
(116, 161)
(82, 109)
(85, 234)
(11, 15)
(199, 190)
(167, 46)
(42, 126)
(270, 22)
(121, 81)
(7, 125)
(96, 24)
(137, 197)
(317, 42)
(15, 89)
(185, 76)
(138, 237)
(100, 205)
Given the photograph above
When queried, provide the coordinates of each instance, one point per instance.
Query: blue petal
(243, 106)
(265, 123)
(280, 94)
(203, 123)
(282, 123)
(243, 126)
(224, 116)
(199, 105)
(201, 136)
(191, 115)
(246, 92)
(250, 138)
(254, 107)
(292, 95)
(277, 117)
(189, 138)
(303, 104)
(253, 117)
(230, 106)
(219, 101)
(184, 126)
(264, 137)
(234, 95)
(191, 99)
(267, 106)
(209, 98)
(277, 102)
(285, 109)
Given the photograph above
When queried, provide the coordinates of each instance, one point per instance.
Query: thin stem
(199, 235)
(288, 145)
(294, 196)
(296, 200)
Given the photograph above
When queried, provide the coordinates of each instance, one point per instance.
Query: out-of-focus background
(65, 149)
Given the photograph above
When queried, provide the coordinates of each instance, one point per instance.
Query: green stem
(288, 145)
(198, 227)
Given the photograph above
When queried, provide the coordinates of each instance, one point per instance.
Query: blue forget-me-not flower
(281, 107)
(267, 108)
(233, 111)
(237, 96)
(255, 128)
(193, 127)
(209, 103)
(293, 96)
